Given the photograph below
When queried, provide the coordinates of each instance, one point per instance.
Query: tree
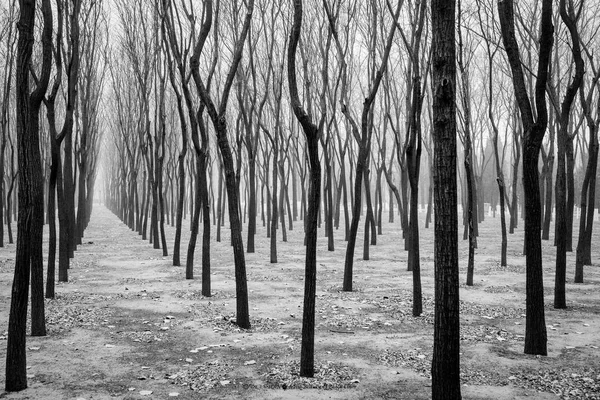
(570, 20)
(363, 134)
(218, 118)
(312, 133)
(486, 32)
(445, 368)
(413, 144)
(588, 189)
(471, 192)
(533, 135)
(8, 35)
(31, 212)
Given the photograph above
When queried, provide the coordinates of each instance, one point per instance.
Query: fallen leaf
(251, 362)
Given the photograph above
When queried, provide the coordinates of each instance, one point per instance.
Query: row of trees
(374, 83)
(51, 119)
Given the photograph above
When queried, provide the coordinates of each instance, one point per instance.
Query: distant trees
(363, 133)
(160, 87)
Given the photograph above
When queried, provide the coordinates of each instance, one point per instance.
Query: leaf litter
(328, 376)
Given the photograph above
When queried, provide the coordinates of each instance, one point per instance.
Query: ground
(128, 324)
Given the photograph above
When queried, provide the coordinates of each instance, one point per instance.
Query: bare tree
(218, 118)
(569, 18)
(491, 49)
(31, 208)
(588, 189)
(363, 134)
(312, 132)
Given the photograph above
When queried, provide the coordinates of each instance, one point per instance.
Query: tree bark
(311, 132)
(562, 218)
(533, 135)
(445, 368)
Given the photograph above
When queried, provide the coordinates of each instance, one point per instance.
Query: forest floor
(128, 324)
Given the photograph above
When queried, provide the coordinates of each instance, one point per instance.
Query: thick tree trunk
(535, 329)
(311, 132)
(30, 219)
(533, 135)
(445, 368)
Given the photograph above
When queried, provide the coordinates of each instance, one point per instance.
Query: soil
(128, 325)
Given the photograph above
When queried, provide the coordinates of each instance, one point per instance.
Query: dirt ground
(128, 324)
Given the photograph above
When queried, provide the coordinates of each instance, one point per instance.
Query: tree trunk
(548, 195)
(189, 265)
(28, 258)
(242, 314)
(564, 202)
(349, 264)
(445, 368)
(274, 201)
(252, 200)
(533, 135)
(311, 132)
(588, 191)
